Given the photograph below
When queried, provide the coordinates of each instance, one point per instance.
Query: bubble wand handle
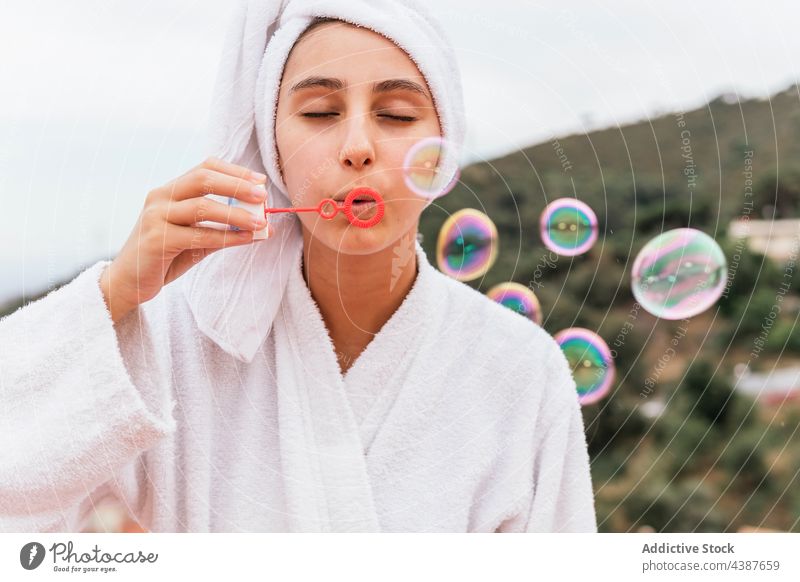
(328, 208)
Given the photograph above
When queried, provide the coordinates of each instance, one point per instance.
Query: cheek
(393, 175)
(403, 211)
(395, 156)
(292, 145)
(304, 167)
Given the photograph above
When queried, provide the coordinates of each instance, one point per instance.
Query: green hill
(709, 462)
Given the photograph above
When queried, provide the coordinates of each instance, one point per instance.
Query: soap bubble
(679, 273)
(517, 298)
(422, 171)
(592, 365)
(452, 183)
(568, 227)
(467, 245)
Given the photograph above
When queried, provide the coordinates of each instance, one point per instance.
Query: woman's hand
(165, 243)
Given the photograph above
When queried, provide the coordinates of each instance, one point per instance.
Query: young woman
(380, 396)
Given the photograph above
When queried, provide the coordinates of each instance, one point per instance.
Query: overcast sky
(103, 100)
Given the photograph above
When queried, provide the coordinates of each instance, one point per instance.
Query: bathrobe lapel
(379, 374)
(328, 421)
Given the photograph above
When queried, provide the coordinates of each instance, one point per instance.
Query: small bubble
(467, 245)
(568, 227)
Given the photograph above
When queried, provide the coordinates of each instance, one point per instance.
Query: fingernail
(258, 192)
(259, 222)
(258, 177)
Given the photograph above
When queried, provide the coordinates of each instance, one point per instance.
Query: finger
(235, 170)
(194, 210)
(187, 259)
(204, 181)
(200, 237)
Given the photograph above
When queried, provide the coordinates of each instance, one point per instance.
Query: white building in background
(773, 387)
(777, 239)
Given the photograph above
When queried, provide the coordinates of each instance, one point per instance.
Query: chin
(351, 240)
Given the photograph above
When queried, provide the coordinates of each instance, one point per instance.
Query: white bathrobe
(460, 416)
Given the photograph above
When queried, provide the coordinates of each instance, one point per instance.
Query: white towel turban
(235, 292)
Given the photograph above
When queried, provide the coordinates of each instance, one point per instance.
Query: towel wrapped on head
(235, 293)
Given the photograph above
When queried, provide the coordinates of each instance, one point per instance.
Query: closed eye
(404, 118)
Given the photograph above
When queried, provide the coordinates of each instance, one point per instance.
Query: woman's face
(340, 125)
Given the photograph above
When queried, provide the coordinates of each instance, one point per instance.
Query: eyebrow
(379, 87)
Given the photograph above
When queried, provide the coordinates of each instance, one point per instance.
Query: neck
(357, 294)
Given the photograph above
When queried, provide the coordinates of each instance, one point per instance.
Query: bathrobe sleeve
(73, 421)
(560, 496)
(563, 500)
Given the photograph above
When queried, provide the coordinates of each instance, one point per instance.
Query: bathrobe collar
(392, 338)
(323, 442)
(225, 294)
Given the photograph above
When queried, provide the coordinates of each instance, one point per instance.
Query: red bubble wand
(328, 208)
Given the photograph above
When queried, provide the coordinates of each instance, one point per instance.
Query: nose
(357, 150)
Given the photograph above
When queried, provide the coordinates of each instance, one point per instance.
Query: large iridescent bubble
(592, 365)
(421, 169)
(467, 245)
(679, 273)
(568, 227)
(518, 298)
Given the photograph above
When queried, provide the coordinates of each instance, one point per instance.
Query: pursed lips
(341, 197)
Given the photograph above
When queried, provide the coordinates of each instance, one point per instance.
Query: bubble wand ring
(328, 208)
